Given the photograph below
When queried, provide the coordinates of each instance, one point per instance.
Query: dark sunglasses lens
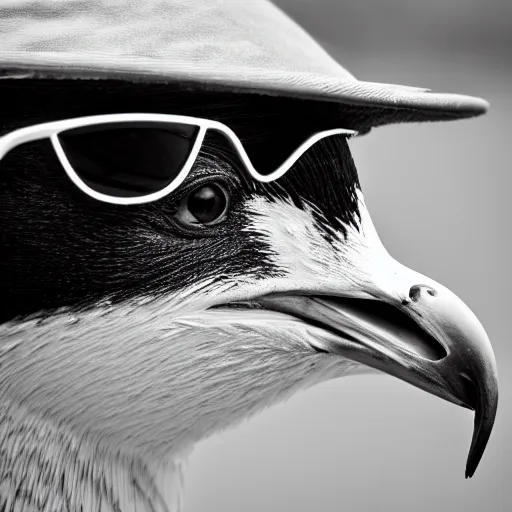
(129, 159)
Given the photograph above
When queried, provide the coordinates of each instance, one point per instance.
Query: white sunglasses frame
(52, 130)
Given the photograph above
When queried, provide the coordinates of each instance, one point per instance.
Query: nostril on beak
(415, 291)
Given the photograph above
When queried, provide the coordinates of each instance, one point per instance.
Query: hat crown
(227, 34)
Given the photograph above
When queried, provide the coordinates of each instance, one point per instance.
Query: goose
(128, 333)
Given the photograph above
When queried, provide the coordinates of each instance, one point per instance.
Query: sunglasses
(138, 158)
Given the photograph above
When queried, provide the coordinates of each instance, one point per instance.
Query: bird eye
(205, 205)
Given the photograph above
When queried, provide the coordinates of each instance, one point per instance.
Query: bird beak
(414, 329)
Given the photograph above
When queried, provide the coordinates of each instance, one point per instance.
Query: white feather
(121, 394)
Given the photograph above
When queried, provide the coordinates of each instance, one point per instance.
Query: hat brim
(383, 103)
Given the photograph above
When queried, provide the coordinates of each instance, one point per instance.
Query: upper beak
(416, 330)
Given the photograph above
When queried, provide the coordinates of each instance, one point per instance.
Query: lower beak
(420, 332)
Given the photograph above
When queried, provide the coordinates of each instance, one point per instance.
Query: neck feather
(46, 467)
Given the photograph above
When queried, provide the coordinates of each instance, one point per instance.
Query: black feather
(61, 248)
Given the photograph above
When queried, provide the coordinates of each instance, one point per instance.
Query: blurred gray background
(440, 198)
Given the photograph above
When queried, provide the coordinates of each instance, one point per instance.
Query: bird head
(149, 327)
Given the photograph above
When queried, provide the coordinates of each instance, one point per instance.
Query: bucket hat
(245, 46)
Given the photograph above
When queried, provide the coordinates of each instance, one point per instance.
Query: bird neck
(45, 466)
